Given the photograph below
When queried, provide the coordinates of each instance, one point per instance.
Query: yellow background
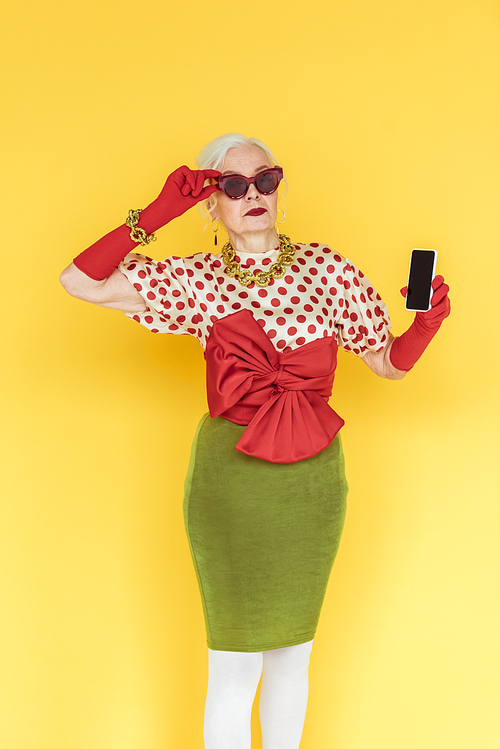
(385, 117)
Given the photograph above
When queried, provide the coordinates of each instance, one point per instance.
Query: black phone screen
(420, 280)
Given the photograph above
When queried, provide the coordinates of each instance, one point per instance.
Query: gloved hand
(182, 190)
(408, 348)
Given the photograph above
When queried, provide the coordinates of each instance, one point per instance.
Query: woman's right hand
(182, 190)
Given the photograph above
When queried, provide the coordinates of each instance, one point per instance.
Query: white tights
(232, 683)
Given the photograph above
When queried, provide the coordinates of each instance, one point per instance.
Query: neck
(254, 242)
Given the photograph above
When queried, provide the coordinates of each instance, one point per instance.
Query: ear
(211, 206)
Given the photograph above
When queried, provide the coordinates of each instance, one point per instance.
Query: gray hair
(214, 153)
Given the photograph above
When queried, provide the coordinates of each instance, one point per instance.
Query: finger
(437, 281)
(404, 291)
(189, 183)
(207, 191)
(211, 173)
(199, 181)
(439, 294)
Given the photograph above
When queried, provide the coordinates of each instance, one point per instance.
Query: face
(238, 216)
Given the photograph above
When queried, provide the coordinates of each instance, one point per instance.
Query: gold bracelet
(136, 233)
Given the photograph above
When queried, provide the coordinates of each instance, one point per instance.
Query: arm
(115, 292)
(93, 276)
(402, 353)
(380, 362)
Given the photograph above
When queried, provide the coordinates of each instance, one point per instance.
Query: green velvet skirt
(263, 538)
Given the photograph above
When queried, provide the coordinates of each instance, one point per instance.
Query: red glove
(408, 348)
(182, 190)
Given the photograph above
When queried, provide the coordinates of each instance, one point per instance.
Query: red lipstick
(256, 212)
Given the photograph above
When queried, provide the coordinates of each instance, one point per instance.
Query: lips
(256, 212)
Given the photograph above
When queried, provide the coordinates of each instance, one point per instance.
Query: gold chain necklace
(263, 277)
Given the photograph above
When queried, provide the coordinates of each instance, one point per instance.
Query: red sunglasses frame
(250, 181)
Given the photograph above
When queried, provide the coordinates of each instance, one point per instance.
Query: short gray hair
(212, 156)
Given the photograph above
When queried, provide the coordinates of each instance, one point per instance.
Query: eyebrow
(259, 169)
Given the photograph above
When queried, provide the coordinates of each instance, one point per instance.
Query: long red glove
(182, 190)
(408, 348)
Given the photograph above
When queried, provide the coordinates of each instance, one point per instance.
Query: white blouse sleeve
(166, 289)
(363, 322)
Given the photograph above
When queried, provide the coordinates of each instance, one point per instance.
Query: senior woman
(265, 491)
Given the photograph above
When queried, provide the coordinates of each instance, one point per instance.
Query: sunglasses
(236, 186)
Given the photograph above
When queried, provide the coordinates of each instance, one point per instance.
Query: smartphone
(420, 277)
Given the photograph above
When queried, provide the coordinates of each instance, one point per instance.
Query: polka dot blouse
(321, 294)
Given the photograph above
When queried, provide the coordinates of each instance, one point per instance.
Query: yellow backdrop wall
(385, 116)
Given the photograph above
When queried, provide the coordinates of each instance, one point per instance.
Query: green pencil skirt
(263, 537)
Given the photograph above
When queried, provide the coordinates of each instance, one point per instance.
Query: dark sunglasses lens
(235, 187)
(267, 182)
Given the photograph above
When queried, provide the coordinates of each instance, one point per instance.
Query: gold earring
(284, 216)
(216, 238)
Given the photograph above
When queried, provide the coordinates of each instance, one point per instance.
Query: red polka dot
(136, 318)
(310, 253)
(330, 268)
(162, 290)
(292, 331)
(319, 319)
(271, 333)
(261, 323)
(341, 302)
(369, 313)
(155, 330)
(301, 318)
(351, 330)
(280, 344)
(319, 291)
(324, 311)
(242, 294)
(176, 292)
(288, 311)
(179, 271)
(180, 305)
(250, 261)
(281, 290)
(355, 281)
(199, 285)
(142, 274)
(280, 321)
(137, 286)
(266, 261)
(131, 266)
(320, 259)
(213, 318)
(353, 316)
(153, 283)
(203, 306)
(308, 307)
(173, 327)
(301, 260)
(181, 319)
(300, 341)
(312, 244)
(295, 269)
(301, 288)
(372, 341)
(220, 308)
(345, 314)
(148, 319)
(307, 279)
(268, 312)
(255, 304)
(295, 300)
(328, 302)
(208, 276)
(167, 304)
(275, 302)
(314, 299)
(150, 295)
(210, 298)
(262, 292)
(313, 271)
(231, 287)
(217, 264)
(190, 272)
(311, 328)
(288, 279)
(220, 280)
(333, 291)
(347, 285)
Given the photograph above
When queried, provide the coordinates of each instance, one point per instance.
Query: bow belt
(282, 397)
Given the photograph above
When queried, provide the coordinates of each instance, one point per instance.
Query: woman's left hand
(440, 304)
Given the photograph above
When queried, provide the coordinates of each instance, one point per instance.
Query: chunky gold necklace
(263, 277)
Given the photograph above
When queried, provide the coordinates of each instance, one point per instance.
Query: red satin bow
(281, 396)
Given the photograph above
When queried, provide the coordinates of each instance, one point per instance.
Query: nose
(252, 192)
